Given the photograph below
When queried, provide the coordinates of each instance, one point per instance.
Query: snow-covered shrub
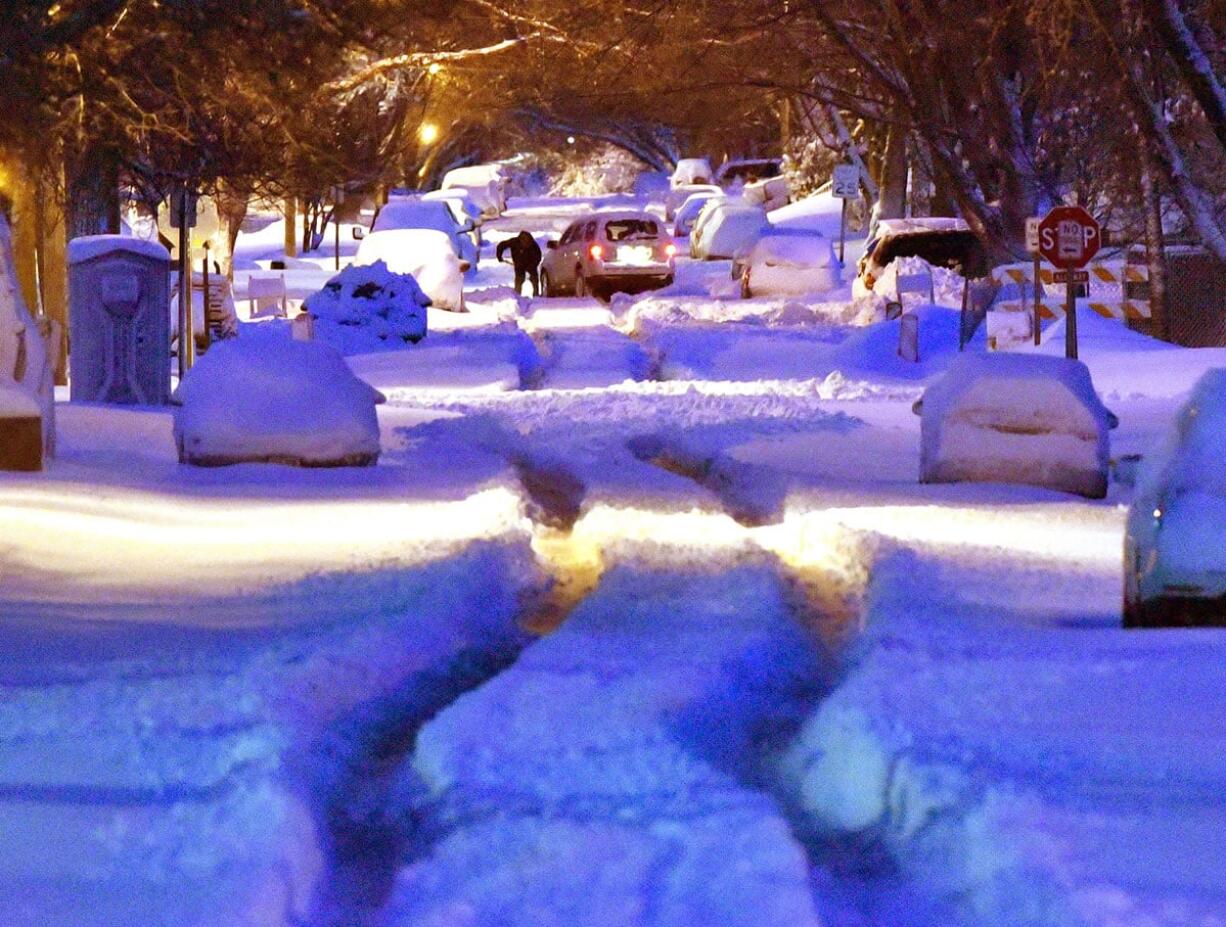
(607, 170)
(265, 398)
(1016, 418)
(368, 307)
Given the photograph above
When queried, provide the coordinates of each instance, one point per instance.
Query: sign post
(1068, 238)
(845, 185)
(1032, 246)
(183, 218)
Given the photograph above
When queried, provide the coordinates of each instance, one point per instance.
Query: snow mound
(947, 286)
(873, 350)
(367, 308)
(1007, 418)
(274, 400)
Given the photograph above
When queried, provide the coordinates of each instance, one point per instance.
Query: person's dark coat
(525, 256)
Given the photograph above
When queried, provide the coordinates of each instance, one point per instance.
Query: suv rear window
(626, 229)
(956, 250)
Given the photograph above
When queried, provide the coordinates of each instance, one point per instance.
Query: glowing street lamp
(434, 68)
(428, 133)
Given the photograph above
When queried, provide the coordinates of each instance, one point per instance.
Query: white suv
(609, 251)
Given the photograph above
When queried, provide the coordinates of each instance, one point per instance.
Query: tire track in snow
(600, 779)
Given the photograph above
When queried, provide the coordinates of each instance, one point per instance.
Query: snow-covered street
(643, 618)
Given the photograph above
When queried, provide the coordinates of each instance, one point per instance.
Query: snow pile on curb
(369, 308)
(595, 782)
(275, 400)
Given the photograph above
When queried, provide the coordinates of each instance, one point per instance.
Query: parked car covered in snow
(465, 211)
(427, 254)
(1016, 418)
(941, 241)
(609, 251)
(771, 194)
(788, 264)
(725, 227)
(692, 171)
(1174, 555)
(418, 213)
(484, 183)
(738, 173)
(679, 194)
(688, 212)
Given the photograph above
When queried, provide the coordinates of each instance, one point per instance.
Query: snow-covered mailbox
(119, 320)
(270, 399)
(1016, 418)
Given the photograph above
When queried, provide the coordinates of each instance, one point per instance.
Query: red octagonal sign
(1069, 237)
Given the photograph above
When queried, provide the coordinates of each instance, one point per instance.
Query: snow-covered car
(725, 227)
(941, 241)
(1174, 556)
(788, 264)
(679, 194)
(366, 307)
(484, 183)
(417, 213)
(744, 171)
(1025, 419)
(691, 171)
(462, 208)
(426, 254)
(771, 194)
(688, 212)
(604, 252)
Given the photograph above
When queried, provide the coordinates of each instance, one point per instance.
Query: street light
(428, 133)
(434, 68)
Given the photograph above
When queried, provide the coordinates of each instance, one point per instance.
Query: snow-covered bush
(1016, 418)
(368, 307)
(607, 170)
(265, 398)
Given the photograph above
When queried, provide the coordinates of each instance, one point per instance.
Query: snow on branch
(422, 60)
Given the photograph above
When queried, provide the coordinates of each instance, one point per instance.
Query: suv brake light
(595, 251)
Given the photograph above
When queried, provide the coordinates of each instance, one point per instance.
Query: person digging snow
(526, 257)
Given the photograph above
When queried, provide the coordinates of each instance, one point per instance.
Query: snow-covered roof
(88, 247)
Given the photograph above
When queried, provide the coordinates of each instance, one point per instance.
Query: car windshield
(759, 169)
(956, 250)
(629, 229)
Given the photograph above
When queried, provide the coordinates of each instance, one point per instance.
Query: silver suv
(609, 251)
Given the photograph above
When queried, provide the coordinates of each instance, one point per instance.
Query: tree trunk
(892, 200)
(291, 227)
(1155, 242)
(93, 193)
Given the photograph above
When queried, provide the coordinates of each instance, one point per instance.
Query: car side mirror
(551, 245)
(358, 233)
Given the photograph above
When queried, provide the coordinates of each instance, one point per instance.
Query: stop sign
(1069, 237)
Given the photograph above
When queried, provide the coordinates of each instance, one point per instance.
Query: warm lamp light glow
(428, 133)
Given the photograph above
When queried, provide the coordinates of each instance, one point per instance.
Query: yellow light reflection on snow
(69, 546)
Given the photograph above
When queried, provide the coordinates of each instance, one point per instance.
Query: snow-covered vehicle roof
(920, 224)
(692, 170)
(791, 249)
(726, 226)
(415, 213)
(426, 254)
(461, 197)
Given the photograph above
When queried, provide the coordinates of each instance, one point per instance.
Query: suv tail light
(596, 251)
(670, 250)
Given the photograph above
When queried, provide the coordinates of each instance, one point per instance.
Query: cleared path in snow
(599, 780)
